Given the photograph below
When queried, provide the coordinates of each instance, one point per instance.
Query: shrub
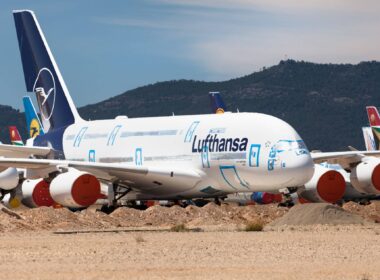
(254, 226)
(179, 228)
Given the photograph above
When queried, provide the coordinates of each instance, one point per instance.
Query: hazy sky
(106, 47)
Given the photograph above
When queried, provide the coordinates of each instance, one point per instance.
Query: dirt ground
(318, 253)
(41, 245)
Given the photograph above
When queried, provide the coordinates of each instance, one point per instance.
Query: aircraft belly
(159, 184)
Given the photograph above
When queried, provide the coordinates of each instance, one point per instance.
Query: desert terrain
(306, 242)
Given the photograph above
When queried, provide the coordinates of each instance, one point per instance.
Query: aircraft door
(205, 157)
(254, 155)
(91, 156)
(138, 157)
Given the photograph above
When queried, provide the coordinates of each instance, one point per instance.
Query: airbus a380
(172, 157)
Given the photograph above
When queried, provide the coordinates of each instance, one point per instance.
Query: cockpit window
(290, 145)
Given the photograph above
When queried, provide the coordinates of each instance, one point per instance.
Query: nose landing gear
(288, 194)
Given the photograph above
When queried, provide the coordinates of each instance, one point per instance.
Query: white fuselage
(233, 152)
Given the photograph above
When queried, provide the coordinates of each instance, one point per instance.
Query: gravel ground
(318, 252)
(139, 249)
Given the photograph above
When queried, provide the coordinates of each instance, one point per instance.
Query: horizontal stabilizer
(23, 151)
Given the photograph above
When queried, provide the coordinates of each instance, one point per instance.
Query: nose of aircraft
(299, 169)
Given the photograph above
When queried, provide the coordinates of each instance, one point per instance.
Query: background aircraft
(32, 120)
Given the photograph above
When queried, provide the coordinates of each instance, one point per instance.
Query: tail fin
(15, 136)
(217, 104)
(373, 116)
(369, 140)
(374, 121)
(32, 120)
(42, 75)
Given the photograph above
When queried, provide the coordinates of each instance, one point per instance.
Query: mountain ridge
(325, 103)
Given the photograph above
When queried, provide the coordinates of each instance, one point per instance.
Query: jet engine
(365, 177)
(35, 193)
(9, 178)
(326, 185)
(265, 197)
(75, 189)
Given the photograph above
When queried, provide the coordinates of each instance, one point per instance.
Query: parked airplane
(172, 157)
(15, 137)
(203, 154)
(369, 139)
(374, 121)
(217, 103)
(32, 120)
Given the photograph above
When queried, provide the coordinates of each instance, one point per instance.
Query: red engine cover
(86, 190)
(331, 186)
(41, 194)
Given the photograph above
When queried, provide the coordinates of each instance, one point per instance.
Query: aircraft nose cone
(300, 168)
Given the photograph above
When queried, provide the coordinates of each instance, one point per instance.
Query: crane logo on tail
(44, 87)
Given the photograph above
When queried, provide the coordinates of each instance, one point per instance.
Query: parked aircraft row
(70, 161)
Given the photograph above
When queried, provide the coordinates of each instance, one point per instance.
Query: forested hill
(325, 103)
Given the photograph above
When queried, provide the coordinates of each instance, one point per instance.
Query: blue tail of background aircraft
(216, 102)
(32, 120)
(42, 75)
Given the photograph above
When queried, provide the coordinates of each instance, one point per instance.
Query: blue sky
(104, 48)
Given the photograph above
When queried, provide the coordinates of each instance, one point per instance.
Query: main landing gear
(116, 192)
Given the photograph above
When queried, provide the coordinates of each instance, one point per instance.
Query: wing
(345, 159)
(23, 151)
(156, 180)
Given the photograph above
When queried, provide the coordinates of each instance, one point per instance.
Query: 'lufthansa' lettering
(216, 144)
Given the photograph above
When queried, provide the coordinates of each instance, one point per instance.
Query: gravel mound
(226, 215)
(370, 212)
(317, 214)
(223, 216)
